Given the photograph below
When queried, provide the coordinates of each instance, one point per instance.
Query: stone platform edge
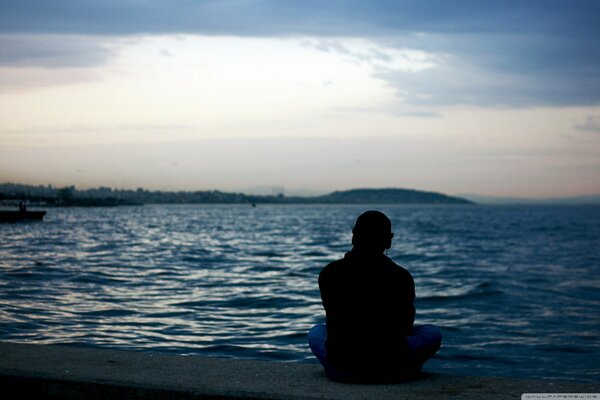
(63, 372)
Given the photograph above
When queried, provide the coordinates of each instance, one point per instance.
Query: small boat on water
(16, 216)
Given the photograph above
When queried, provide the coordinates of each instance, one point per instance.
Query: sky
(497, 98)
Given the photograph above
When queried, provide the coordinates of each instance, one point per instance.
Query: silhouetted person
(22, 207)
(369, 304)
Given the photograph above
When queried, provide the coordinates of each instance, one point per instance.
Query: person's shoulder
(333, 266)
(332, 269)
(400, 270)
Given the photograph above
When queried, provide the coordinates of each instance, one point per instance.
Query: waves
(476, 292)
(515, 289)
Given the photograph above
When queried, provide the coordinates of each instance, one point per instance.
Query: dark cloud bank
(540, 52)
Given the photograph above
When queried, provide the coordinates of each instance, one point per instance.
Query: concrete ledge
(58, 372)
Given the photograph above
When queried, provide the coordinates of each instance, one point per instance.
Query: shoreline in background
(70, 196)
(49, 196)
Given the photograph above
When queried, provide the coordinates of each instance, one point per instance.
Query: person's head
(372, 232)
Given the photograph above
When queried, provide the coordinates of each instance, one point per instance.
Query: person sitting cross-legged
(369, 334)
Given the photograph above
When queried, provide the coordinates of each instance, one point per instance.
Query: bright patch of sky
(165, 88)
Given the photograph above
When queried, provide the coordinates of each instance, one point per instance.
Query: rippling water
(516, 290)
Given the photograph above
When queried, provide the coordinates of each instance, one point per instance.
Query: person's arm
(411, 307)
(323, 288)
(406, 289)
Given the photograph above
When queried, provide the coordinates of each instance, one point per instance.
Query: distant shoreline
(107, 197)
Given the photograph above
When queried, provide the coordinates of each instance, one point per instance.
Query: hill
(389, 196)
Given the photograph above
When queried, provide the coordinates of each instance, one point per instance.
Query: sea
(514, 289)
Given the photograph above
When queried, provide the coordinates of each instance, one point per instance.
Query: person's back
(368, 302)
(369, 305)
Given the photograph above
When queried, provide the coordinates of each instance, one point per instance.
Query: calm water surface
(516, 290)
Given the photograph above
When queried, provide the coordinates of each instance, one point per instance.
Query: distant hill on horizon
(390, 196)
(103, 196)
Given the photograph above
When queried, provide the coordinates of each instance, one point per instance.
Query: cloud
(377, 56)
(53, 51)
(591, 124)
(488, 52)
(418, 114)
(309, 17)
(432, 69)
(454, 81)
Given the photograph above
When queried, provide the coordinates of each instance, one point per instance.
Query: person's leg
(424, 342)
(317, 336)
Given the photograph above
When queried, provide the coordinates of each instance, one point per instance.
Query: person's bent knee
(430, 339)
(431, 331)
(435, 332)
(317, 336)
(317, 332)
(436, 336)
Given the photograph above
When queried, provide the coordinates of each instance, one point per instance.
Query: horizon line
(248, 191)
